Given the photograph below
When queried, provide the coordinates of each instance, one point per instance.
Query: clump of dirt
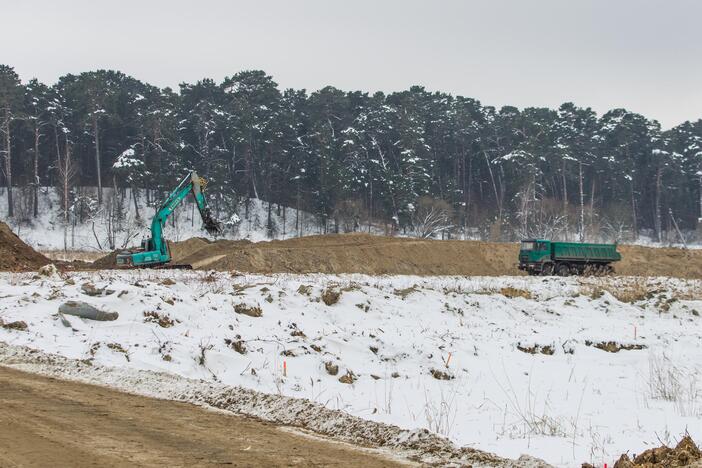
(251, 311)
(331, 295)
(348, 378)
(237, 345)
(614, 347)
(441, 375)
(19, 325)
(536, 349)
(331, 368)
(686, 453)
(15, 255)
(163, 320)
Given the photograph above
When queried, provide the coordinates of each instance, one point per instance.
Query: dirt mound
(15, 255)
(364, 253)
(106, 262)
(654, 261)
(187, 247)
(685, 453)
(376, 255)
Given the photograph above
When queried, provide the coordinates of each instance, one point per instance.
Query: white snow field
(450, 354)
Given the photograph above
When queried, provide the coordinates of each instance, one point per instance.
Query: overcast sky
(645, 55)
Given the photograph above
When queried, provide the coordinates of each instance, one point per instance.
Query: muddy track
(45, 421)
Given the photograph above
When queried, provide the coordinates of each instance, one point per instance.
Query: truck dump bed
(585, 252)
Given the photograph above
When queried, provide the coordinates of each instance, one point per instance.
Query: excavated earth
(374, 255)
(360, 253)
(15, 255)
(685, 453)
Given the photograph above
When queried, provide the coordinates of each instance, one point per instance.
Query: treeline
(414, 161)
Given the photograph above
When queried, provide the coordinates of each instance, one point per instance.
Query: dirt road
(49, 422)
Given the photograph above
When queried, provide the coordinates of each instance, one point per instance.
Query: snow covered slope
(568, 370)
(47, 231)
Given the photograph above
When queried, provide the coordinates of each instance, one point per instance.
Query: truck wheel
(563, 269)
(547, 270)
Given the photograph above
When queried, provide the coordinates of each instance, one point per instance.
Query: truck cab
(535, 256)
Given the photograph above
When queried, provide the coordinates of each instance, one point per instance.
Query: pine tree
(10, 102)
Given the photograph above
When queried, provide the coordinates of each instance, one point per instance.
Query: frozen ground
(509, 365)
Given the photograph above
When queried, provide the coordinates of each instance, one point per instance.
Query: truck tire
(563, 269)
(547, 270)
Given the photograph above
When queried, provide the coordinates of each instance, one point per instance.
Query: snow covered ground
(510, 365)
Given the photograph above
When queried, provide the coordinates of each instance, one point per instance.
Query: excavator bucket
(212, 226)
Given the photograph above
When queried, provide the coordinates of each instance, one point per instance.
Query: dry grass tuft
(251, 311)
(163, 320)
(511, 293)
(331, 295)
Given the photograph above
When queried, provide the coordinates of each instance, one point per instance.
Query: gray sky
(645, 55)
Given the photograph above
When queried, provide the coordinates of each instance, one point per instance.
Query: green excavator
(154, 252)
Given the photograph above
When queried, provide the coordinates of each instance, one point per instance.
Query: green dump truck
(544, 257)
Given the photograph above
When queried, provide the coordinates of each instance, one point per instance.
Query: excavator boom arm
(156, 248)
(191, 183)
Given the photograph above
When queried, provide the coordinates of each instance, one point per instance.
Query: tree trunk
(498, 200)
(633, 211)
(582, 203)
(8, 164)
(96, 133)
(565, 189)
(135, 196)
(35, 198)
(592, 200)
(658, 223)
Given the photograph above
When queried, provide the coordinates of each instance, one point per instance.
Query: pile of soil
(106, 262)
(364, 253)
(360, 253)
(659, 261)
(376, 255)
(685, 453)
(15, 255)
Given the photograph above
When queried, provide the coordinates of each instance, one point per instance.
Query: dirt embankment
(363, 253)
(15, 255)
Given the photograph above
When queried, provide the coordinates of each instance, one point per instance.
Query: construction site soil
(50, 422)
(374, 255)
(361, 253)
(15, 255)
